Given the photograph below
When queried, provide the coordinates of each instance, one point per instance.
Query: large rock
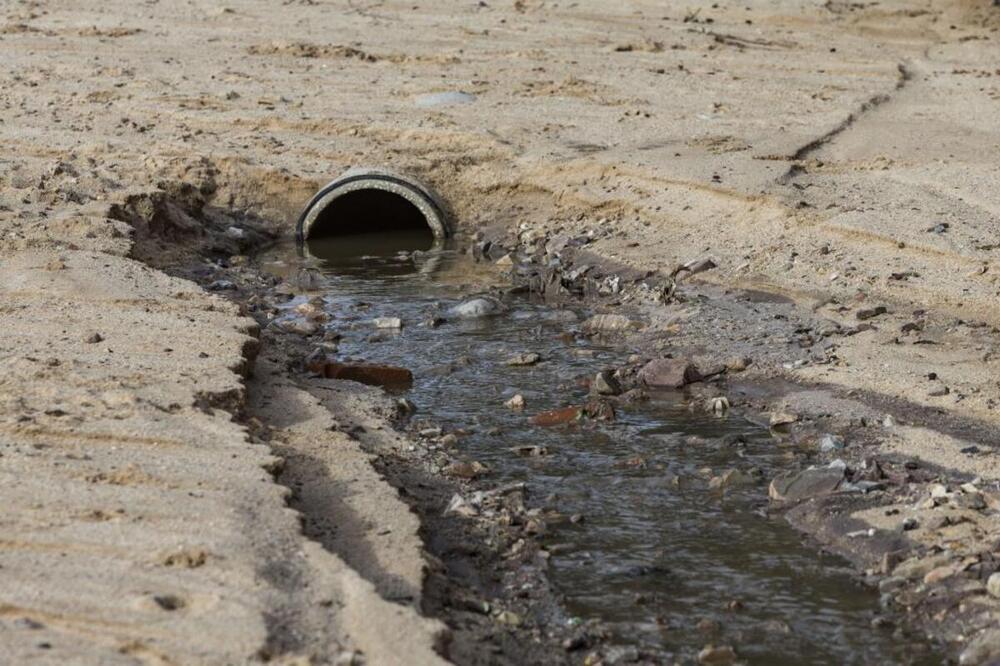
(799, 486)
(669, 373)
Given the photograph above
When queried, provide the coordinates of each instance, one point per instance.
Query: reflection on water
(659, 556)
(377, 253)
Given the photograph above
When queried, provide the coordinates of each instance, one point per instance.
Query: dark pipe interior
(369, 211)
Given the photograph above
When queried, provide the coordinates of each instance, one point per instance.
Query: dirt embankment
(841, 155)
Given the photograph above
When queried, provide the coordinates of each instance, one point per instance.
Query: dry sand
(811, 149)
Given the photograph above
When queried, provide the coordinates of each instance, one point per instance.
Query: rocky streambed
(605, 462)
(621, 492)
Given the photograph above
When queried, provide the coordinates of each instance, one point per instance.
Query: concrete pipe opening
(374, 202)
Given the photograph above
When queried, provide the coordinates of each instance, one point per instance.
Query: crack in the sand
(904, 77)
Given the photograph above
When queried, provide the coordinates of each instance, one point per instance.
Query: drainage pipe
(374, 179)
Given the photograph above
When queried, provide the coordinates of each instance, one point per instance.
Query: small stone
(738, 364)
(387, 322)
(516, 403)
(459, 506)
(527, 358)
(297, 326)
(405, 406)
(349, 658)
(599, 410)
(940, 573)
(483, 306)
(221, 285)
(608, 323)
(972, 501)
(816, 482)
(93, 338)
(510, 618)
(939, 491)
(830, 443)
(779, 419)
(605, 383)
(466, 470)
(862, 315)
(993, 585)
(506, 261)
(554, 417)
(719, 406)
(910, 524)
(918, 567)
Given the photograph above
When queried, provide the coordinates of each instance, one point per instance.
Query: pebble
(869, 313)
(782, 418)
(387, 322)
(738, 363)
(993, 584)
(516, 403)
(460, 507)
(719, 406)
(939, 491)
(527, 358)
(939, 574)
(299, 326)
(608, 322)
(830, 443)
(482, 306)
(510, 618)
(605, 383)
(554, 417)
(466, 470)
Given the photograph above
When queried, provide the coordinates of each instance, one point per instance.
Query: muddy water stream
(669, 564)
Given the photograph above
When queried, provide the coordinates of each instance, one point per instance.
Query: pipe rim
(361, 179)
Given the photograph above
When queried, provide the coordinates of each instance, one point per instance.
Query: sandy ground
(843, 154)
